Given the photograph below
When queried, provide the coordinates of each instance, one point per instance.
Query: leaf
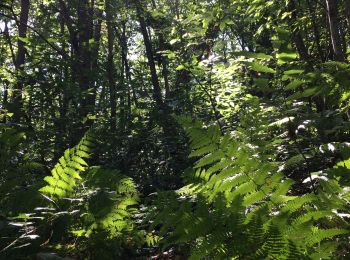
(210, 158)
(306, 93)
(294, 84)
(261, 82)
(204, 150)
(293, 72)
(259, 67)
(321, 234)
(286, 57)
(180, 67)
(79, 160)
(22, 39)
(222, 26)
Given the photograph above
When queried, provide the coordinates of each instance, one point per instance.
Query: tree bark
(20, 60)
(123, 88)
(69, 23)
(163, 60)
(110, 66)
(316, 29)
(85, 33)
(91, 99)
(157, 94)
(347, 13)
(124, 46)
(332, 14)
(9, 42)
(296, 34)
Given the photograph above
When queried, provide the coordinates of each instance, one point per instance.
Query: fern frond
(312, 215)
(317, 235)
(298, 202)
(66, 172)
(238, 204)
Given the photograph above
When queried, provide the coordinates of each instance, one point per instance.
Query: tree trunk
(64, 11)
(4, 101)
(110, 66)
(20, 60)
(124, 46)
(316, 29)
(162, 58)
(332, 14)
(91, 99)
(157, 94)
(85, 33)
(164, 63)
(122, 84)
(296, 35)
(347, 13)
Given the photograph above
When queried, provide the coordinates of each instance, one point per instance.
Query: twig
(16, 240)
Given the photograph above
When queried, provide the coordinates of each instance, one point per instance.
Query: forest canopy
(173, 129)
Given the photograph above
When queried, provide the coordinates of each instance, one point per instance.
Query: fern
(66, 173)
(105, 199)
(110, 209)
(237, 195)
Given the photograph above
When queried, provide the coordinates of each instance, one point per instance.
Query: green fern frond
(312, 215)
(66, 172)
(274, 245)
(203, 150)
(298, 202)
(317, 235)
(210, 158)
(237, 195)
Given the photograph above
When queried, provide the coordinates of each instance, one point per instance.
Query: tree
(157, 94)
(332, 13)
(111, 70)
(20, 59)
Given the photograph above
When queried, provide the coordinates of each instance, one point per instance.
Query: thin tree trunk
(332, 14)
(65, 97)
(163, 59)
(64, 11)
(20, 60)
(316, 29)
(347, 13)
(5, 100)
(157, 94)
(126, 69)
(124, 46)
(164, 63)
(177, 9)
(111, 67)
(122, 83)
(95, 52)
(296, 35)
(60, 123)
(8, 39)
(5, 81)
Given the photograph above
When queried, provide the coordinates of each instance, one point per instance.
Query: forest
(174, 129)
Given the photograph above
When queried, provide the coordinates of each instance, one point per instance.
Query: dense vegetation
(202, 129)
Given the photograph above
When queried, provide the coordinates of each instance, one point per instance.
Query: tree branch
(54, 47)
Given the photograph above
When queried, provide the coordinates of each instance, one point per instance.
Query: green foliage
(262, 88)
(104, 199)
(111, 202)
(66, 172)
(237, 204)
